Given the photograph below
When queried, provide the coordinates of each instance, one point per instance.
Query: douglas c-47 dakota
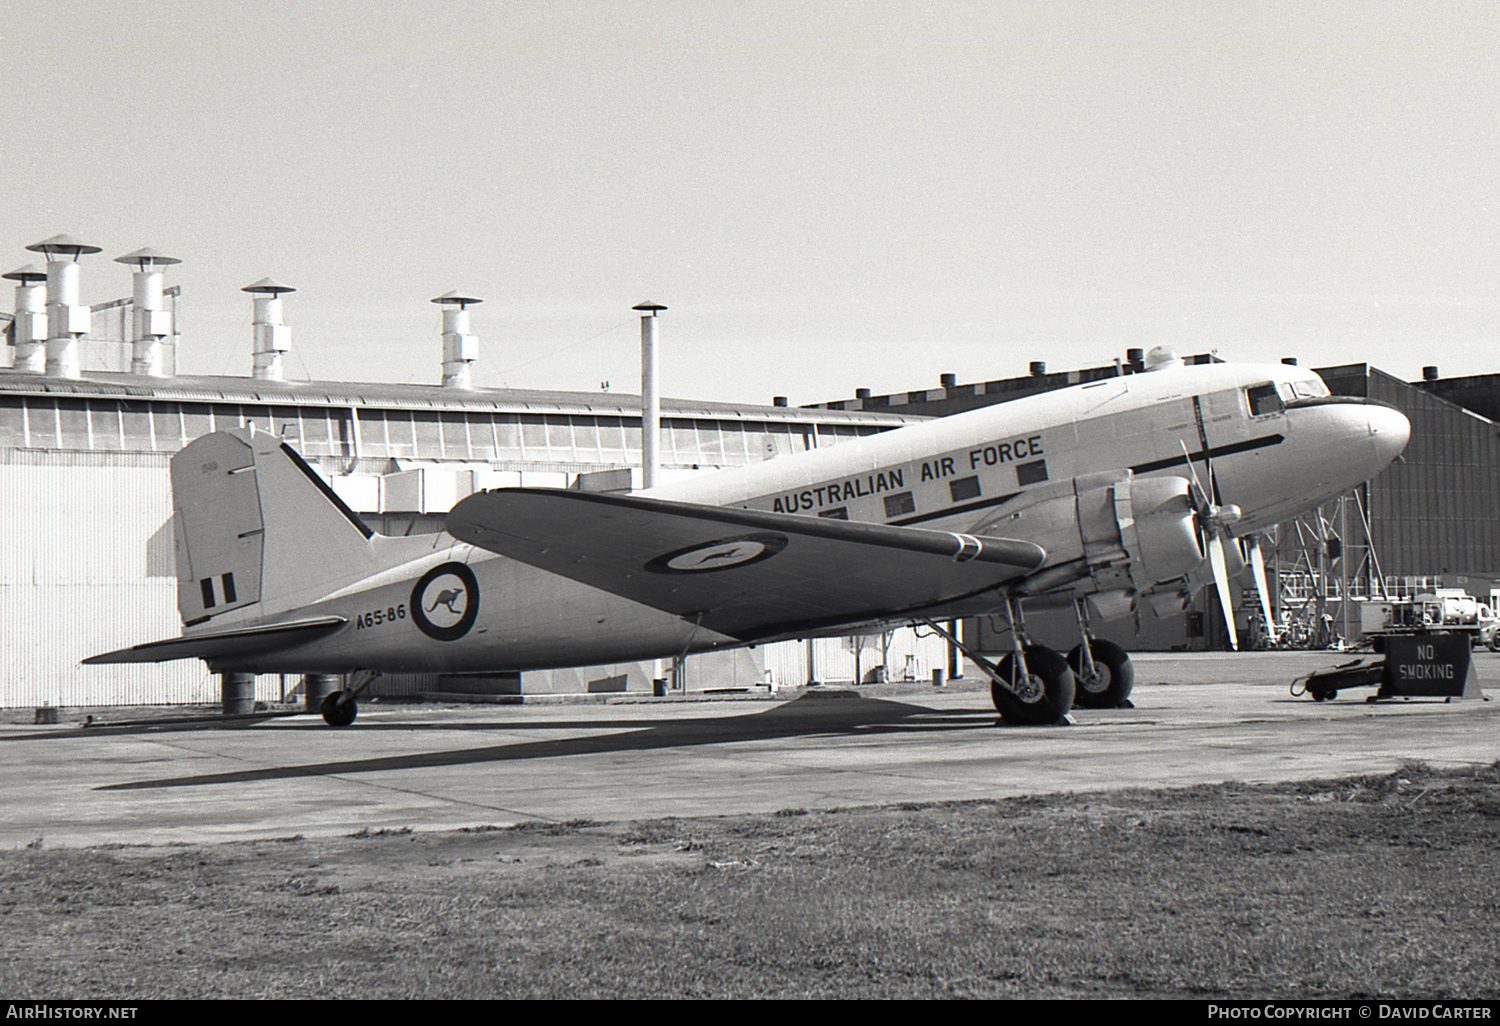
(1103, 496)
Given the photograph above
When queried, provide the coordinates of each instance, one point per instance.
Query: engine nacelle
(1108, 535)
(1157, 529)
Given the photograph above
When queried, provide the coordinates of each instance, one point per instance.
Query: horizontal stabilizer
(744, 573)
(215, 644)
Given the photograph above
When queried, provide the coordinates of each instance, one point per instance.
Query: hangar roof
(215, 388)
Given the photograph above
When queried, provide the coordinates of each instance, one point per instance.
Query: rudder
(257, 531)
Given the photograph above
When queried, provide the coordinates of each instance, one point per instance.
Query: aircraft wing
(211, 644)
(743, 573)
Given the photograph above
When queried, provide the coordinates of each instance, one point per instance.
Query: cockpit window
(1309, 389)
(1263, 400)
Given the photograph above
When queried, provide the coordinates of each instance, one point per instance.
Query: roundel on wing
(723, 554)
(445, 602)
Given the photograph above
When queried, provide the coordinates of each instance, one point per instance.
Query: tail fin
(257, 531)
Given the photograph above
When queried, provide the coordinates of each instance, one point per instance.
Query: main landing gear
(1101, 668)
(339, 708)
(1033, 686)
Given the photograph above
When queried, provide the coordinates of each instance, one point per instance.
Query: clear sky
(826, 194)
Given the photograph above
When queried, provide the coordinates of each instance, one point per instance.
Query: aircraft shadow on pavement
(807, 716)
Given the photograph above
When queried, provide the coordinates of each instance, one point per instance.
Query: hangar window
(400, 439)
(73, 424)
(454, 427)
(710, 444)
(507, 437)
(585, 440)
(734, 443)
(1263, 400)
(12, 424)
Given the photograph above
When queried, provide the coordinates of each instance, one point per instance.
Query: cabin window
(1031, 473)
(899, 504)
(1263, 400)
(1308, 389)
(964, 488)
(842, 513)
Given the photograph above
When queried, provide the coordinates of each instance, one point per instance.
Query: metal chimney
(67, 319)
(1429, 373)
(272, 337)
(460, 349)
(948, 380)
(30, 323)
(151, 322)
(1038, 368)
(650, 400)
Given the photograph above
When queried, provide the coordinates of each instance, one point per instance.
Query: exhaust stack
(30, 323)
(272, 337)
(650, 398)
(67, 319)
(152, 323)
(460, 348)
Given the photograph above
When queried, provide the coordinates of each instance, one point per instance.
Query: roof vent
(152, 323)
(460, 348)
(30, 323)
(67, 319)
(272, 337)
(1038, 368)
(1429, 373)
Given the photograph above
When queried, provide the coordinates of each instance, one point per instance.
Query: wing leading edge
(747, 574)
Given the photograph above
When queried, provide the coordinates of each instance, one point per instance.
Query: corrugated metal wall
(86, 566)
(1437, 509)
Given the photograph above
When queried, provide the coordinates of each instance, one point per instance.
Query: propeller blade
(1221, 580)
(1258, 566)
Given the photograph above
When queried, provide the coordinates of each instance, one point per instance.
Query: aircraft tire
(336, 715)
(1113, 679)
(1050, 695)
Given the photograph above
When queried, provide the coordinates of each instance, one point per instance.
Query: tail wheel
(1109, 685)
(337, 713)
(1044, 697)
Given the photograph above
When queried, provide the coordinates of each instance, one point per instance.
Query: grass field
(1378, 886)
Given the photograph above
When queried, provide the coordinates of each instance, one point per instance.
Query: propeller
(1213, 522)
(1258, 566)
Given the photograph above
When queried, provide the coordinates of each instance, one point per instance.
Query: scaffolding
(1323, 564)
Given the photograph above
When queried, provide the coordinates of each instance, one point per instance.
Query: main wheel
(1045, 695)
(1112, 679)
(337, 715)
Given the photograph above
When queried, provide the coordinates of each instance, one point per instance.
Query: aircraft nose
(1390, 431)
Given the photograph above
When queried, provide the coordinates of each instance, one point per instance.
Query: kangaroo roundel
(445, 602)
(706, 557)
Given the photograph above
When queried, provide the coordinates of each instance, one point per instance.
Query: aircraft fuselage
(1278, 445)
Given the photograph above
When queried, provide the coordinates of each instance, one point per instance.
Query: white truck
(1442, 611)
